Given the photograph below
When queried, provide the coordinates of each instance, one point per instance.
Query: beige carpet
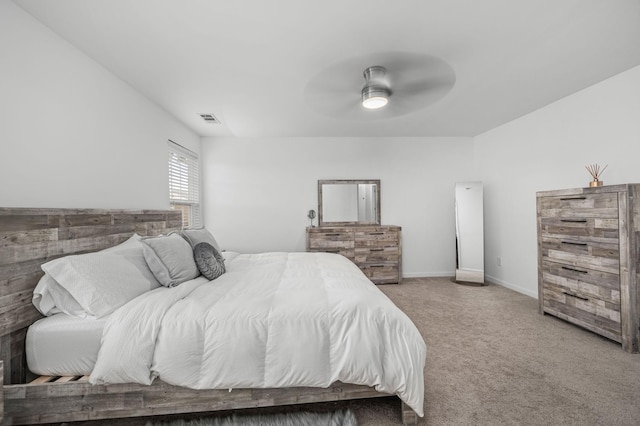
(493, 360)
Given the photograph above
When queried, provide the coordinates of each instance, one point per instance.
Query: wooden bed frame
(31, 237)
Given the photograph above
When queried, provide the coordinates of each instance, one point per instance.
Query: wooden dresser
(588, 259)
(377, 250)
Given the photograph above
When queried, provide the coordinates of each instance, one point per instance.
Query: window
(184, 184)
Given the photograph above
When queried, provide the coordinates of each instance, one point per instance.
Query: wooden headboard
(31, 237)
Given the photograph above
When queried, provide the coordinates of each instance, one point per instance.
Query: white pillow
(51, 298)
(133, 243)
(170, 258)
(43, 299)
(99, 282)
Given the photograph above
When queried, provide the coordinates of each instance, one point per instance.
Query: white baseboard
(428, 274)
(511, 286)
(488, 278)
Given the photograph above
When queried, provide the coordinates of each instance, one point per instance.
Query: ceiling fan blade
(415, 81)
(437, 86)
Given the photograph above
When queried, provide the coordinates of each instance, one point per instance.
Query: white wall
(548, 149)
(258, 191)
(74, 135)
(71, 133)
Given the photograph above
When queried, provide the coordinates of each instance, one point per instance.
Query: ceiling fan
(376, 92)
(395, 84)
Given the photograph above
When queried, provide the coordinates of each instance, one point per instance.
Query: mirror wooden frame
(321, 221)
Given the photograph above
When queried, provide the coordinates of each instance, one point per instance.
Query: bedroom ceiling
(253, 63)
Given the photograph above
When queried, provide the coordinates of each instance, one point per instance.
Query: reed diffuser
(595, 172)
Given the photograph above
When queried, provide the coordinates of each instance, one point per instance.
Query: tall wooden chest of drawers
(377, 250)
(588, 259)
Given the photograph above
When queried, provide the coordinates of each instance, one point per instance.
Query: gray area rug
(301, 418)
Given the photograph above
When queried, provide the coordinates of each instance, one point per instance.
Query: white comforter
(272, 320)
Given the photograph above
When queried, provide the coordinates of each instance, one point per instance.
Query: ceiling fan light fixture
(375, 93)
(374, 97)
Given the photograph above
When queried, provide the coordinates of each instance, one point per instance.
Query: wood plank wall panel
(30, 237)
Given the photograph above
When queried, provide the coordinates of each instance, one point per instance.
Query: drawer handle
(376, 266)
(332, 235)
(573, 198)
(376, 249)
(376, 233)
(571, 243)
(575, 295)
(332, 251)
(574, 220)
(575, 270)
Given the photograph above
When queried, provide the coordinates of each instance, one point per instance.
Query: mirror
(348, 202)
(469, 233)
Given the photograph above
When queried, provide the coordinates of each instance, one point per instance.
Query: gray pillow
(209, 260)
(170, 258)
(195, 236)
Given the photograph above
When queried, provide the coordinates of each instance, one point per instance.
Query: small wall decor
(595, 172)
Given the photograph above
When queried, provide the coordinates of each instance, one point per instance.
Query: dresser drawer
(381, 273)
(330, 240)
(377, 254)
(587, 253)
(590, 227)
(346, 252)
(582, 281)
(579, 206)
(377, 238)
(593, 314)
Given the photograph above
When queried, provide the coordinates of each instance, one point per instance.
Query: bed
(31, 237)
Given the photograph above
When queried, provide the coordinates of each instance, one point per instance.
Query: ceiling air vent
(209, 118)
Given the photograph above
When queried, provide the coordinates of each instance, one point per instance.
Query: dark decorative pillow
(209, 260)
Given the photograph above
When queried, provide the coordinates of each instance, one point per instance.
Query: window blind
(184, 183)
